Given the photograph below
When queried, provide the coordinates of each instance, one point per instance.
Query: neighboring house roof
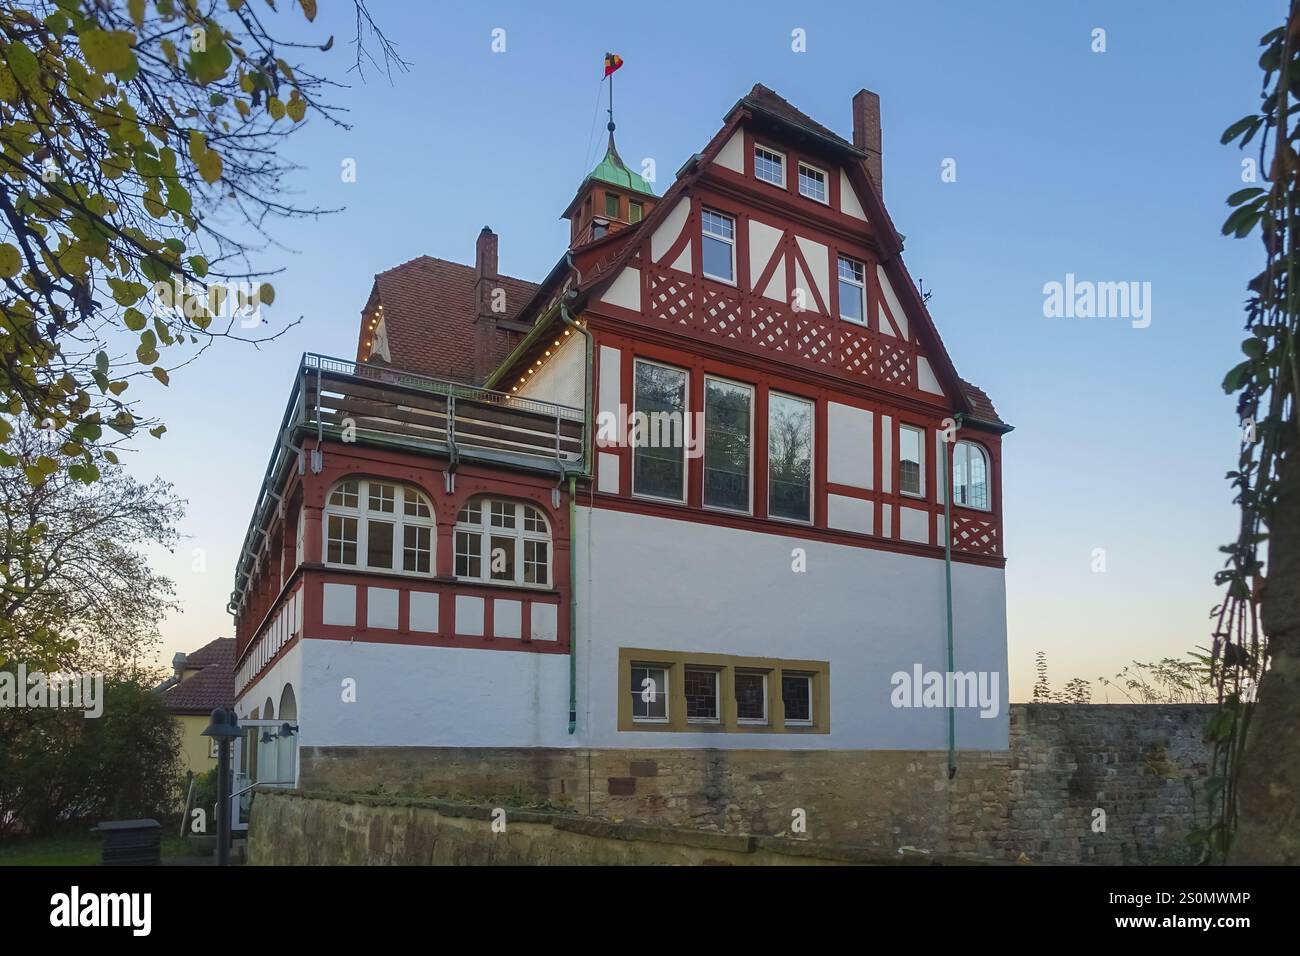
(212, 687)
(429, 311)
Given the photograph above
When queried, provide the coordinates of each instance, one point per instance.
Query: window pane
(533, 520)
(909, 461)
(812, 183)
(345, 495)
(502, 558)
(503, 514)
(382, 497)
(751, 696)
(789, 450)
(634, 212)
(472, 513)
(416, 549)
(959, 465)
(535, 562)
(796, 691)
(726, 445)
(414, 505)
(979, 478)
(659, 453)
(851, 302)
(379, 544)
(342, 540)
(701, 694)
(611, 205)
(768, 166)
(469, 555)
(649, 692)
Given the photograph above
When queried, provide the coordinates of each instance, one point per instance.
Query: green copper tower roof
(612, 170)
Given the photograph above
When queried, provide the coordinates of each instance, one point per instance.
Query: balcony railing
(375, 403)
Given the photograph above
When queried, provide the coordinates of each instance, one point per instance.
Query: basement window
(649, 691)
(796, 694)
(701, 687)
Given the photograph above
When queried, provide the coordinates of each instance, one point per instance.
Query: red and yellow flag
(612, 62)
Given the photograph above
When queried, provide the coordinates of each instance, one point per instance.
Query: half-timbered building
(687, 491)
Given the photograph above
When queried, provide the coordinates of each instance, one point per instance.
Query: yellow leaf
(169, 51)
(160, 373)
(10, 261)
(275, 108)
(137, 11)
(243, 108)
(266, 293)
(297, 108)
(309, 9)
(207, 161)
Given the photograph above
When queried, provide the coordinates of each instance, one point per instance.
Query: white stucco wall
(652, 582)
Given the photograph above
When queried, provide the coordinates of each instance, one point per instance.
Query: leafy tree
(139, 150)
(59, 768)
(1256, 771)
(75, 591)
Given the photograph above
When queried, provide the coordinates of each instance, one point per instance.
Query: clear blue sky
(1068, 161)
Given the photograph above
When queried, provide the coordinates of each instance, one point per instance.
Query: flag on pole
(612, 62)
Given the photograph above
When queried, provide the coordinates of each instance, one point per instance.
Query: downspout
(947, 577)
(568, 320)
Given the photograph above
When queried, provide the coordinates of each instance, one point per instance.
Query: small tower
(612, 197)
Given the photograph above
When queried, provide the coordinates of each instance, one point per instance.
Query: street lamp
(224, 727)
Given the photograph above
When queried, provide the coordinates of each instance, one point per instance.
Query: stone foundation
(1140, 764)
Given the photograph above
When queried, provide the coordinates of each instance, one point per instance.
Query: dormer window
(598, 228)
(769, 166)
(812, 183)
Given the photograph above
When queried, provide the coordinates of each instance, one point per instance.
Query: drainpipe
(947, 578)
(568, 320)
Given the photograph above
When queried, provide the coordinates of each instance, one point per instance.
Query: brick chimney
(485, 320)
(866, 132)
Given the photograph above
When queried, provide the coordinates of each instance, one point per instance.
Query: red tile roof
(981, 405)
(768, 100)
(212, 687)
(429, 312)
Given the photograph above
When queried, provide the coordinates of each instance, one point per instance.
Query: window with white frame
(649, 691)
(718, 245)
(751, 697)
(769, 165)
(970, 475)
(659, 431)
(700, 685)
(911, 462)
(500, 541)
(378, 525)
(812, 182)
(728, 426)
(853, 290)
(789, 457)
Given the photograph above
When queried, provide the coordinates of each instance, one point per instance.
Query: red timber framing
(732, 331)
(976, 533)
(280, 577)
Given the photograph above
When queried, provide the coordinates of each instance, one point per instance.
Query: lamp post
(224, 727)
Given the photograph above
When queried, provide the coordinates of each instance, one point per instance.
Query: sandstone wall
(1139, 764)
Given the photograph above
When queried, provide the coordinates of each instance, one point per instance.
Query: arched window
(503, 542)
(379, 526)
(970, 475)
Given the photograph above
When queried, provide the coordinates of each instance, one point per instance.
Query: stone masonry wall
(1140, 764)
